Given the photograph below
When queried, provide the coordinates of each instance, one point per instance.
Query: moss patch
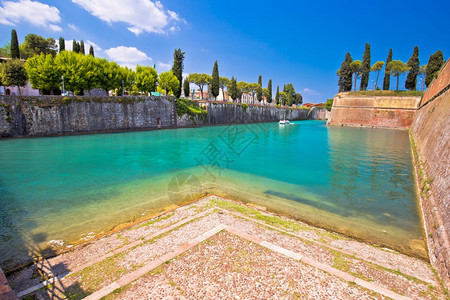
(191, 108)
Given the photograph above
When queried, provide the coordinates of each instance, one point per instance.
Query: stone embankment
(46, 115)
(350, 109)
(430, 135)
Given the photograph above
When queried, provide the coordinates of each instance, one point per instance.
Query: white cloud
(310, 92)
(73, 27)
(140, 15)
(33, 12)
(164, 66)
(127, 56)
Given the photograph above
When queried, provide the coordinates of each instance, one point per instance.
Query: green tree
(277, 95)
(283, 98)
(329, 103)
(82, 51)
(15, 53)
(377, 68)
(35, 44)
(169, 83)
(387, 77)
(91, 51)
(253, 89)
(14, 74)
(112, 75)
(345, 74)
(423, 72)
(186, 88)
(243, 87)
(298, 99)
(223, 82)
(365, 69)
(75, 46)
(146, 79)
(269, 89)
(356, 68)
(434, 66)
(5, 51)
(259, 93)
(74, 71)
(396, 68)
(177, 68)
(413, 63)
(199, 79)
(290, 94)
(232, 89)
(43, 72)
(215, 81)
(62, 44)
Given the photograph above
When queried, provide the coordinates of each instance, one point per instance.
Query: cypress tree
(277, 95)
(177, 68)
(269, 87)
(413, 63)
(434, 65)
(15, 53)
(91, 51)
(259, 93)
(62, 45)
(345, 74)
(81, 49)
(233, 91)
(387, 76)
(74, 46)
(365, 68)
(186, 88)
(215, 81)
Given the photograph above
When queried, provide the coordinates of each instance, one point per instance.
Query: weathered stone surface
(431, 133)
(373, 111)
(43, 116)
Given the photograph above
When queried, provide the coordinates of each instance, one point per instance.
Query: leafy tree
(91, 51)
(283, 98)
(259, 93)
(223, 82)
(5, 51)
(365, 69)
(215, 81)
(377, 68)
(423, 72)
(298, 99)
(329, 103)
(434, 65)
(253, 89)
(129, 80)
(200, 79)
(74, 46)
(232, 89)
(82, 51)
(269, 89)
(177, 68)
(413, 63)
(111, 75)
(265, 92)
(387, 77)
(243, 87)
(356, 68)
(14, 74)
(345, 74)
(397, 67)
(277, 95)
(186, 88)
(35, 44)
(290, 94)
(169, 82)
(146, 78)
(15, 53)
(92, 70)
(74, 71)
(62, 44)
(43, 72)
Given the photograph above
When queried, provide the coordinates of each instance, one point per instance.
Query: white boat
(284, 122)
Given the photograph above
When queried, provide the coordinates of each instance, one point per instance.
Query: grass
(155, 221)
(386, 93)
(191, 108)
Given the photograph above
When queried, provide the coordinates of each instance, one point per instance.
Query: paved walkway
(216, 248)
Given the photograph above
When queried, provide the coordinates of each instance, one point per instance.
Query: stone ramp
(219, 248)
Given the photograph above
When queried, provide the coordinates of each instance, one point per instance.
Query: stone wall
(55, 115)
(430, 133)
(5, 291)
(373, 111)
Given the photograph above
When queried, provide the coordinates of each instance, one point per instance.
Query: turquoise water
(357, 181)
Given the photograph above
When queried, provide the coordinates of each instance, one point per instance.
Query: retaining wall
(50, 115)
(430, 133)
(373, 111)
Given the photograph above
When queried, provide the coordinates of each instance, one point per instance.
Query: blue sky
(303, 42)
